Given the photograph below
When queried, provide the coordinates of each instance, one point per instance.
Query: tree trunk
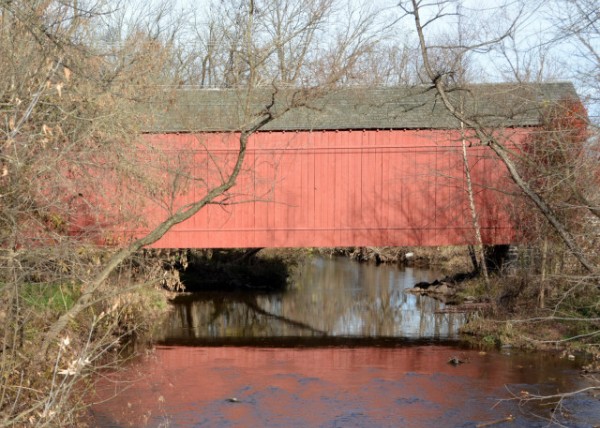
(487, 138)
(542, 294)
(89, 289)
(562, 231)
(474, 216)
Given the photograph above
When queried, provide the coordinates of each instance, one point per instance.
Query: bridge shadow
(235, 270)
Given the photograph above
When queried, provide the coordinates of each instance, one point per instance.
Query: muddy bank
(448, 258)
(507, 313)
(447, 288)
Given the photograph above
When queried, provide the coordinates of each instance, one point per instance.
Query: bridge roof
(416, 107)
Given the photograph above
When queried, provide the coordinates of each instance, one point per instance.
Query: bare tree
(68, 129)
(74, 100)
(293, 43)
(576, 27)
(438, 76)
(555, 169)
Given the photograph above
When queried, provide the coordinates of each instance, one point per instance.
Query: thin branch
(488, 138)
(181, 215)
(568, 339)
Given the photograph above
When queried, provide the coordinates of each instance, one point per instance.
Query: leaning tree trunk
(88, 290)
(487, 138)
(474, 215)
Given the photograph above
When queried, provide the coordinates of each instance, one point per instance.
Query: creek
(345, 346)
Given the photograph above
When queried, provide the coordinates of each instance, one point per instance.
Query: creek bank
(505, 314)
(448, 258)
(110, 329)
(447, 289)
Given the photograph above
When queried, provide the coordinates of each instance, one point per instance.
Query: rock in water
(455, 361)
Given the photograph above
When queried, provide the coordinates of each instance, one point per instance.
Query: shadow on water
(236, 270)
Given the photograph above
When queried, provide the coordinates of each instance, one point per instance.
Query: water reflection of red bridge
(334, 386)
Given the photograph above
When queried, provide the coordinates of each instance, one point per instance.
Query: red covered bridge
(353, 167)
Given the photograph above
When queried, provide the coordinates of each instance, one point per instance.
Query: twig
(509, 418)
(568, 339)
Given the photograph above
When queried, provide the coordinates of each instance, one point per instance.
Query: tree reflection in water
(328, 297)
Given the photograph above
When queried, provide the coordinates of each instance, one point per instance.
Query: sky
(527, 51)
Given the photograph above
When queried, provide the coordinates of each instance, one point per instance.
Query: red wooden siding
(337, 188)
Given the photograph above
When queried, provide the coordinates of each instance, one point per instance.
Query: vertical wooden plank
(309, 190)
(338, 189)
(248, 213)
(445, 182)
(292, 167)
(200, 172)
(253, 206)
(353, 143)
(319, 187)
(285, 179)
(401, 214)
(393, 188)
(361, 215)
(368, 186)
(262, 157)
(380, 189)
(399, 217)
(280, 142)
(346, 187)
(349, 144)
(279, 206)
(377, 192)
(372, 180)
(313, 188)
(387, 183)
(409, 185)
(298, 219)
(331, 188)
(342, 188)
(359, 190)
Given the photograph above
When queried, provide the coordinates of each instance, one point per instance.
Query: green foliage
(154, 300)
(472, 288)
(489, 340)
(56, 298)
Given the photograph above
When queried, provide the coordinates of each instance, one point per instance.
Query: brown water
(345, 348)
